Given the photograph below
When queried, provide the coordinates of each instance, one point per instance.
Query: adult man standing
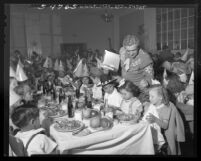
(136, 64)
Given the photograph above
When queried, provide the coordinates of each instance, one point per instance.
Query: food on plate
(86, 112)
(105, 123)
(67, 125)
(94, 113)
(95, 122)
(55, 112)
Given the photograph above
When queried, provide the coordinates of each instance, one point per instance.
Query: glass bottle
(77, 92)
(60, 96)
(53, 92)
(70, 107)
(89, 101)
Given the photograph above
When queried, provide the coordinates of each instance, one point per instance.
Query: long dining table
(121, 139)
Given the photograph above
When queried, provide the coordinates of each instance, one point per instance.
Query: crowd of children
(158, 100)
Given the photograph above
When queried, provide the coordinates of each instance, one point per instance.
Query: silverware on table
(76, 132)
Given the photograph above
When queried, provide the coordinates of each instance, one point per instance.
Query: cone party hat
(61, 67)
(12, 72)
(20, 74)
(56, 65)
(45, 65)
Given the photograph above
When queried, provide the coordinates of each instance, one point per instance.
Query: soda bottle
(70, 107)
(60, 96)
(77, 92)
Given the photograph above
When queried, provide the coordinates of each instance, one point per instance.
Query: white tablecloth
(121, 139)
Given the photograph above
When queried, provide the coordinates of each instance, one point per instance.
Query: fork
(76, 132)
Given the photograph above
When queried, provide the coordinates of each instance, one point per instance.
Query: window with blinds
(175, 28)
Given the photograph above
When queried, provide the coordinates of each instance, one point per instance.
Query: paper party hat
(48, 63)
(12, 72)
(191, 81)
(20, 63)
(20, 74)
(56, 65)
(45, 65)
(98, 62)
(85, 71)
(61, 67)
(81, 70)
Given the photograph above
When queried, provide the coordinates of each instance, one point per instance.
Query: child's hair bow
(121, 83)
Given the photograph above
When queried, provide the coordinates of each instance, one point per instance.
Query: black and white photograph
(101, 79)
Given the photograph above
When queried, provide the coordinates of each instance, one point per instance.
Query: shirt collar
(160, 106)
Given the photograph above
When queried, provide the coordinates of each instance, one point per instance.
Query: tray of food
(65, 125)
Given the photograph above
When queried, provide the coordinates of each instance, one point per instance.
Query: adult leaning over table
(136, 63)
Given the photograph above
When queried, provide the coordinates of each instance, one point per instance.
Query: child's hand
(151, 118)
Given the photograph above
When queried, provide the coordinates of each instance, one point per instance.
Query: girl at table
(26, 117)
(157, 113)
(130, 103)
(87, 84)
(112, 97)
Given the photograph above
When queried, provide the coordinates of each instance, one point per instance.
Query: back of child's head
(130, 87)
(175, 85)
(161, 91)
(22, 115)
(177, 55)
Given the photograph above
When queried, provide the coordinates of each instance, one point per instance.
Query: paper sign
(111, 60)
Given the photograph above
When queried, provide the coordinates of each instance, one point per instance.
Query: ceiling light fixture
(107, 17)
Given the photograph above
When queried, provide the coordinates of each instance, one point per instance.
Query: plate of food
(126, 118)
(54, 113)
(65, 125)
